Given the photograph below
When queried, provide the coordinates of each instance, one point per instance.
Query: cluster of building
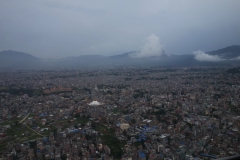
(148, 113)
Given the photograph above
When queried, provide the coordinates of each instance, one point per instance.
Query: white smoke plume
(202, 56)
(152, 48)
(238, 58)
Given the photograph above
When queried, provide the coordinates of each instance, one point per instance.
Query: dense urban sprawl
(127, 113)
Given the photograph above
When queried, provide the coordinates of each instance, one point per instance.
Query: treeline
(151, 78)
(139, 93)
(29, 91)
(103, 86)
(233, 70)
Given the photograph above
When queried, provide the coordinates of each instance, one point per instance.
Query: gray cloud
(202, 56)
(238, 58)
(60, 28)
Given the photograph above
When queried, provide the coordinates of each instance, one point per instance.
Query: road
(34, 131)
(24, 118)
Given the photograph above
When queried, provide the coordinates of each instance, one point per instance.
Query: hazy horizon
(58, 29)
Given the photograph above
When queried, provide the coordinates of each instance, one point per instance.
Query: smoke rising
(152, 48)
(202, 56)
(238, 58)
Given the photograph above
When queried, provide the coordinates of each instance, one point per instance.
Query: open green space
(18, 130)
(81, 120)
(7, 123)
(16, 133)
(105, 130)
(11, 121)
(116, 110)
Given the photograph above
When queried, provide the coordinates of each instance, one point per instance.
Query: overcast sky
(60, 28)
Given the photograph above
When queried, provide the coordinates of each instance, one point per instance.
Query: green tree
(133, 121)
(174, 121)
(124, 133)
(93, 125)
(64, 157)
(75, 126)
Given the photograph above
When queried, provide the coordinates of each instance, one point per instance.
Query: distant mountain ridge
(19, 60)
(124, 55)
(13, 59)
(230, 52)
(134, 54)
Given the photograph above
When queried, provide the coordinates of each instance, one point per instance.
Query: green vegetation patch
(115, 145)
(110, 140)
(18, 130)
(105, 130)
(116, 110)
(81, 120)
(2, 147)
(139, 93)
(29, 91)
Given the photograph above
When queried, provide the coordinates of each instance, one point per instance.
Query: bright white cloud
(202, 56)
(151, 48)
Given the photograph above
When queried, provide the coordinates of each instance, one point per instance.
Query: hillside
(18, 60)
(230, 52)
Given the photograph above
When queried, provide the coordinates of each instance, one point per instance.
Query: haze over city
(58, 29)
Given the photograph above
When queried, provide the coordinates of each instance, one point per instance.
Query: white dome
(94, 103)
